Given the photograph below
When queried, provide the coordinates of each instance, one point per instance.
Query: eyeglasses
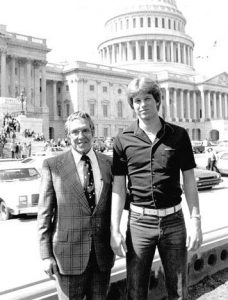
(77, 132)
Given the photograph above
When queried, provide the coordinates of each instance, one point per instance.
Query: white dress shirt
(95, 167)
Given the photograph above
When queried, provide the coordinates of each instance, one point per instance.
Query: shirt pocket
(168, 158)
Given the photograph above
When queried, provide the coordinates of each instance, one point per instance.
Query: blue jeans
(168, 233)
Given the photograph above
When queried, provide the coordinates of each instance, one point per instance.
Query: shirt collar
(77, 156)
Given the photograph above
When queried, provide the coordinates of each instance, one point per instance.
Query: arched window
(163, 23)
(119, 109)
(156, 22)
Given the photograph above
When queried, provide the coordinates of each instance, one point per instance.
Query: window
(105, 131)
(105, 89)
(119, 91)
(174, 25)
(169, 24)
(119, 109)
(59, 110)
(127, 23)
(91, 88)
(92, 109)
(67, 109)
(163, 23)
(59, 90)
(67, 88)
(105, 110)
(149, 22)
(134, 23)
(121, 25)
(141, 22)
(156, 22)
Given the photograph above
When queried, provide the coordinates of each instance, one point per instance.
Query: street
(20, 262)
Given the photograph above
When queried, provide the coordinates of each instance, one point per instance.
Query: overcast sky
(74, 28)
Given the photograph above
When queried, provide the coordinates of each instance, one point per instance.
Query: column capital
(3, 50)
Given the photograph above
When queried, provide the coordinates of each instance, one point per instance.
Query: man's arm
(118, 201)
(194, 239)
(46, 210)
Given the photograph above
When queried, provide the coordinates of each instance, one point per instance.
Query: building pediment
(221, 79)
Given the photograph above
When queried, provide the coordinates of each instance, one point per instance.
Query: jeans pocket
(135, 217)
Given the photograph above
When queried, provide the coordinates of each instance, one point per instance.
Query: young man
(151, 153)
(74, 215)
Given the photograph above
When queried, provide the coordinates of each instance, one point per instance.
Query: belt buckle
(162, 212)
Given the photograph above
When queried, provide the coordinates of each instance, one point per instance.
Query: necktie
(89, 187)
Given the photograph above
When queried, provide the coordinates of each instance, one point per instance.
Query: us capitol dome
(148, 36)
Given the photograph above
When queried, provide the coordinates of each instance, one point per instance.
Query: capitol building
(147, 38)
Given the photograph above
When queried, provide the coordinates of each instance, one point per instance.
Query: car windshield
(19, 174)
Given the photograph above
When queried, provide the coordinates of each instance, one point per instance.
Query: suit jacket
(66, 226)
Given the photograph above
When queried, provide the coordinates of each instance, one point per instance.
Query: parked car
(222, 162)
(19, 190)
(206, 179)
(221, 146)
(197, 146)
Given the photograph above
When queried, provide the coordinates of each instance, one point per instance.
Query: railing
(211, 258)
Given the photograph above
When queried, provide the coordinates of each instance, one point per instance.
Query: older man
(74, 215)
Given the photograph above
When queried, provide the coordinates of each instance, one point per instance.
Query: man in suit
(74, 215)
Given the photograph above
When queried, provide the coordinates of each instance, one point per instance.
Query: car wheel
(4, 211)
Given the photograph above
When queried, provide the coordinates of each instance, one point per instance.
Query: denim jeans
(168, 233)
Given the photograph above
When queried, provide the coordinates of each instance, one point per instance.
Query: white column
(194, 106)
(220, 106)
(3, 72)
(146, 50)
(202, 106)
(175, 104)
(44, 85)
(167, 104)
(179, 52)
(226, 105)
(215, 105)
(12, 83)
(155, 51)
(208, 105)
(163, 51)
(137, 50)
(188, 106)
(129, 51)
(109, 55)
(29, 84)
(120, 52)
(184, 53)
(182, 105)
(171, 48)
(55, 100)
(113, 54)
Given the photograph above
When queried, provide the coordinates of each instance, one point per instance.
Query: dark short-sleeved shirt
(153, 169)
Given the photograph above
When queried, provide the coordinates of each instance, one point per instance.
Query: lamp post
(22, 99)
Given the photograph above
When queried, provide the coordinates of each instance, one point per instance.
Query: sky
(74, 28)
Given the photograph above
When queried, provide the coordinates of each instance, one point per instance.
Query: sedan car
(206, 179)
(222, 162)
(19, 190)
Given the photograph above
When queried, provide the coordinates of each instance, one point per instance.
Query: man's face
(145, 106)
(80, 135)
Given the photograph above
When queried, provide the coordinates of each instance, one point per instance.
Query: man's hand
(50, 267)
(118, 244)
(195, 237)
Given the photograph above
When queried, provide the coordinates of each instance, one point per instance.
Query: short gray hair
(79, 115)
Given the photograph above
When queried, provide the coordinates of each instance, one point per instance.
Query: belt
(160, 212)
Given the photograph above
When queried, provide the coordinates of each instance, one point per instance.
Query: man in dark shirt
(151, 153)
